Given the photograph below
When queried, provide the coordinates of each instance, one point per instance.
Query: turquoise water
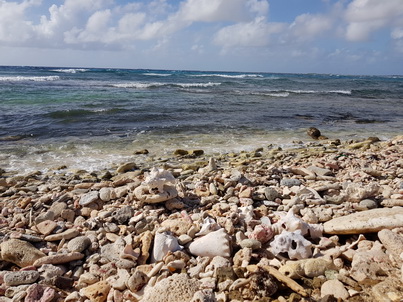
(89, 118)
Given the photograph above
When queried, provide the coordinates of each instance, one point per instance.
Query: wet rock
(20, 252)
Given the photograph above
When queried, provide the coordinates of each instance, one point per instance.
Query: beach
(321, 220)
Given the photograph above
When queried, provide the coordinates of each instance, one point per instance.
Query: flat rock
(366, 222)
(20, 252)
(58, 259)
(46, 227)
(68, 234)
(89, 197)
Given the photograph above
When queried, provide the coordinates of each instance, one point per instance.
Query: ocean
(90, 118)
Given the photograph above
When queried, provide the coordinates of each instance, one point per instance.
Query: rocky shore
(321, 222)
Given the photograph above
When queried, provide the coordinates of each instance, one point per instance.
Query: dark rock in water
(143, 151)
(313, 132)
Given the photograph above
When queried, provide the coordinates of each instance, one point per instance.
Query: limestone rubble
(89, 236)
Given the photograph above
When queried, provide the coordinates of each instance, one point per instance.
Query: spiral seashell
(213, 244)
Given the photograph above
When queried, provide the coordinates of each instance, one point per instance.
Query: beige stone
(20, 252)
(97, 292)
(45, 227)
(393, 242)
(334, 288)
(68, 234)
(366, 222)
(59, 258)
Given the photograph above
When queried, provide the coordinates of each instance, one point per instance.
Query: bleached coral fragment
(157, 178)
(291, 223)
(292, 243)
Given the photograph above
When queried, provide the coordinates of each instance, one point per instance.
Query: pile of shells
(320, 222)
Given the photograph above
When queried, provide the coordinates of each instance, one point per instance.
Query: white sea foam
(138, 85)
(141, 85)
(157, 74)
(319, 91)
(187, 85)
(25, 78)
(71, 70)
(234, 76)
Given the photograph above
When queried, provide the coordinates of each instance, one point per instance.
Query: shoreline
(91, 234)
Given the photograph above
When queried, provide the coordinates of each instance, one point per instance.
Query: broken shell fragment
(213, 244)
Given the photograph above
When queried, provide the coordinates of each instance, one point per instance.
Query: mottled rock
(290, 182)
(20, 252)
(89, 197)
(123, 214)
(106, 194)
(366, 222)
(97, 292)
(20, 277)
(137, 281)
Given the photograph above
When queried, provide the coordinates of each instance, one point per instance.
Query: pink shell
(262, 233)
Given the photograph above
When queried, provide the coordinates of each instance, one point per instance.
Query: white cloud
(307, 26)
(367, 16)
(247, 34)
(14, 27)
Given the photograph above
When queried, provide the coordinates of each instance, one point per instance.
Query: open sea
(89, 118)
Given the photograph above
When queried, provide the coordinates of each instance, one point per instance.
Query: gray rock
(57, 208)
(368, 203)
(271, 193)
(89, 197)
(251, 243)
(123, 214)
(79, 244)
(21, 277)
(290, 182)
(106, 194)
(49, 215)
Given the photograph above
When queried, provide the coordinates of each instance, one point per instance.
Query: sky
(289, 36)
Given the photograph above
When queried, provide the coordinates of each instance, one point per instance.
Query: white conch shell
(213, 244)
(292, 243)
(158, 178)
(292, 223)
(163, 244)
(209, 225)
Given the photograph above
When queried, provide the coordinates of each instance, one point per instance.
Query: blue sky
(301, 36)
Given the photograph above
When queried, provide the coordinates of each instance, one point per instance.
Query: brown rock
(46, 227)
(97, 292)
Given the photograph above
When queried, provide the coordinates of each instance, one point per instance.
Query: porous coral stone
(177, 288)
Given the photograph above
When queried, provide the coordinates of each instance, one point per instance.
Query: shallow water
(90, 118)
